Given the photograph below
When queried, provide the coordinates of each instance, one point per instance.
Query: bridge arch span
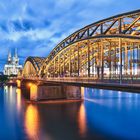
(32, 66)
(106, 49)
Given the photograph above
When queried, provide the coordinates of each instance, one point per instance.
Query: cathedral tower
(9, 58)
(12, 67)
(15, 58)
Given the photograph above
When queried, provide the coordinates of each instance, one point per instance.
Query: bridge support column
(18, 83)
(35, 91)
(45, 92)
(54, 92)
(25, 88)
(72, 92)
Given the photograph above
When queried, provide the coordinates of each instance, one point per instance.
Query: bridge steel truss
(32, 66)
(107, 49)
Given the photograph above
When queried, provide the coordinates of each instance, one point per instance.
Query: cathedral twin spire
(15, 59)
(12, 67)
(9, 57)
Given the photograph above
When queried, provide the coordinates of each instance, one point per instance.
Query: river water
(103, 115)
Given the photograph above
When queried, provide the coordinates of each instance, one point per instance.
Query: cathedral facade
(12, 67)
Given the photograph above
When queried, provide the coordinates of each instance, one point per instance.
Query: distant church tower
(12, 67)
(9, 58)
(16, 57)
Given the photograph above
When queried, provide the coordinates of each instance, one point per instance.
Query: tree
(3, 78)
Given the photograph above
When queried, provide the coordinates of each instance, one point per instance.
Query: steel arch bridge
(107, 49)
(32, 66)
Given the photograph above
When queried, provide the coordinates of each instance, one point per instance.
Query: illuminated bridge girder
(123, 25)
(112, 58)
(107, 49)
(32, 66)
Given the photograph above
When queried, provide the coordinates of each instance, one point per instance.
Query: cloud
(35, 27)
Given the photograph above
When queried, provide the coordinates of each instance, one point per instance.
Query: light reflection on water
(18, 94)
(104, 115)
(32, 121)
(116, 113)
(82, 121)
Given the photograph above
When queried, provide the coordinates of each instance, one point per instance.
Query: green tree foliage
(3, 78)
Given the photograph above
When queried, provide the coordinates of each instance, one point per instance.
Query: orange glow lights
(30, 84)
(18, 91)
(33, 92)
(32, 121)
(82, 92)
(82, 120)
(18, 83)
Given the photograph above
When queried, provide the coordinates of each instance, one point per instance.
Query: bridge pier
(54, 92)
(45, 92)
(37, 90)
(18, 83)
(72, 92)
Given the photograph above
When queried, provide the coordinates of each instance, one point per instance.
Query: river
(103, 115)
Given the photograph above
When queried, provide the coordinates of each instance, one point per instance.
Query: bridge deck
(125, 85)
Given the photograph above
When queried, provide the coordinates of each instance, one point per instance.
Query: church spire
(12, 67)
(16, 59)
(16, 55)
(9, 57)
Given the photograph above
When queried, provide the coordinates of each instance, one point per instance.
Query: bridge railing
(83, 80)
(93, 80)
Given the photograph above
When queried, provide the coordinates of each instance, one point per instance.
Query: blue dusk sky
(35, 27)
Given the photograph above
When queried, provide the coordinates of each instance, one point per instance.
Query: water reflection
(18, 94)
(32, 122)
(5, 89)
(113, 113)
(82, 120)
(82, 92)
(104, 115)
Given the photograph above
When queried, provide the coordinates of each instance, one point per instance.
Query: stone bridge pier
(48, 91)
